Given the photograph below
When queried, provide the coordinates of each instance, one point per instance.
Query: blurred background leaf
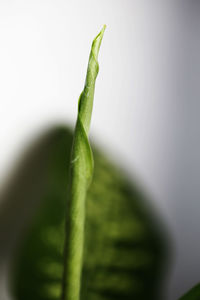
(125, 248)
(193, 294)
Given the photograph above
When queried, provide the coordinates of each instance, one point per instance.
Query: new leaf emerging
(80, 177)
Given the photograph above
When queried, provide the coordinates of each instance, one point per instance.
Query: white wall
(146, 104)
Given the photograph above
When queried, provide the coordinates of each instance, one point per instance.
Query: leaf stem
(80, 177)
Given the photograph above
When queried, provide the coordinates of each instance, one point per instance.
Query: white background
(146, 110)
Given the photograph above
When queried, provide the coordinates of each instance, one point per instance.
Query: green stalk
(80, 177)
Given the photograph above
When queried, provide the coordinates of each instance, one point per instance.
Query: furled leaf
(81, 170)
(193, 294)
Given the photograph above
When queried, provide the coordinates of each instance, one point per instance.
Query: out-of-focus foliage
(123, 255)
(193, 294)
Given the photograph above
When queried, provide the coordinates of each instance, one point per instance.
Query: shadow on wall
(125, 247)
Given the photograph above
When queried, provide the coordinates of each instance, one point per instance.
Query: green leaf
(193, 294)
(112, 247)
(81, 170)
(124, 249)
